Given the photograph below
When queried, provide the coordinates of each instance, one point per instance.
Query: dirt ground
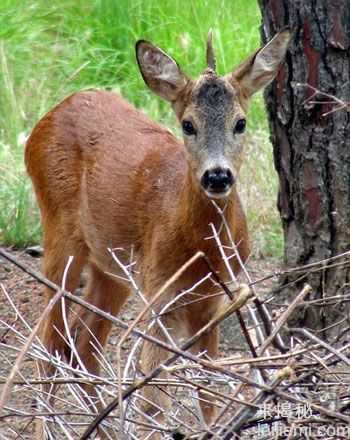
(26, 294)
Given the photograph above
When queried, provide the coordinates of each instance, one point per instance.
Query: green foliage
(51, 49)
(19, 222)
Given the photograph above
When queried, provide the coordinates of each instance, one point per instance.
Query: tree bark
(312, 144)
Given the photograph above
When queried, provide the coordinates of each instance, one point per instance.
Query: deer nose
(217, 180)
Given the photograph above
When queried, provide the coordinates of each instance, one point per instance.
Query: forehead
(213, 93)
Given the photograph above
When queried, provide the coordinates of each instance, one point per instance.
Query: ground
(26, 294)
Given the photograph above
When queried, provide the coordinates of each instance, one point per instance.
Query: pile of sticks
(289, 387)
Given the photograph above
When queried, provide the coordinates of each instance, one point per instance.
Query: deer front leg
(155, 401)
(209, 343)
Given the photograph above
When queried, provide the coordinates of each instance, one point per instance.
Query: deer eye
(187, 128)
(240, 126)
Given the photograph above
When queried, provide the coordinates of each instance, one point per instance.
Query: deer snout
(217, 182)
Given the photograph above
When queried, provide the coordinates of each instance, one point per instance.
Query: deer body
(106, 176)
(156, 209)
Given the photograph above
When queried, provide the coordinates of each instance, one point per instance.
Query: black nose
(217, 180)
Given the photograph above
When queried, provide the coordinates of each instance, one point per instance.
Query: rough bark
(311, 149)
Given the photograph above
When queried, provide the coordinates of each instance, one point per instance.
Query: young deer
(106, 176)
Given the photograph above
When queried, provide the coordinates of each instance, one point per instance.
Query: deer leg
(90, 331)
(54, 263)
(88, 328)
(156, 401)
(210, 344)
(52, 332)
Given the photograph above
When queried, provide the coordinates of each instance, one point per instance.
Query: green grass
(51, 49)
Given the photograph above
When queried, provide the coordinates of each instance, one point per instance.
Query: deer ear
(261, 68)
(160, 72)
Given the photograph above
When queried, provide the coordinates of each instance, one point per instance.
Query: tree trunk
(312, 145)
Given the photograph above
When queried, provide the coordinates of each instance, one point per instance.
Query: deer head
(212, 109)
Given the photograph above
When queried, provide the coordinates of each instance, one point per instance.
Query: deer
(107, 176)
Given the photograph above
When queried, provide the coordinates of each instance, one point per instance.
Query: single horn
(211, 61)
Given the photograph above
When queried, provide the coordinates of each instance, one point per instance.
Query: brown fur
(106, 176)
